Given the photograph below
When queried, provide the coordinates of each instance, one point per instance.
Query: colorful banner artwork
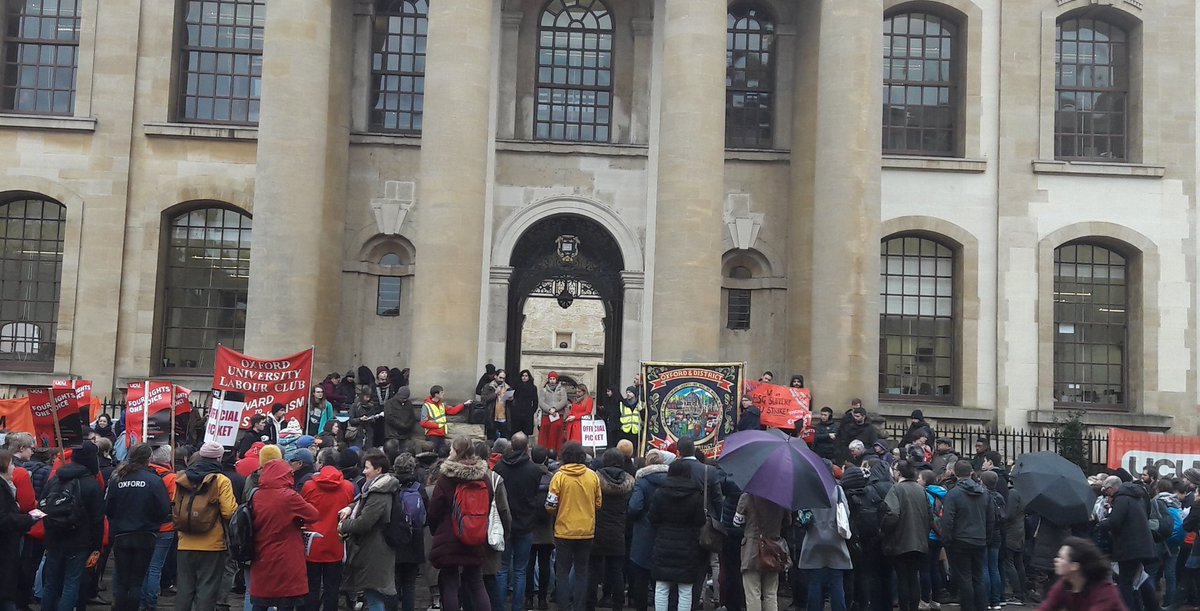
(1172, 454)
(265, 382)
(693, 400)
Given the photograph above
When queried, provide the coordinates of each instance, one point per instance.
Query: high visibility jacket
(631, 421)
(433, 417)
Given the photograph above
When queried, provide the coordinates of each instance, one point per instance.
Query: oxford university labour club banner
(265, 382)
(691, 400)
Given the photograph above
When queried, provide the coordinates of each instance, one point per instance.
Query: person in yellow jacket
(574, 497)
(204, 503)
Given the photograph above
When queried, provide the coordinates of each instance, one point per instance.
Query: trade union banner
(783, 406)
(149, 409)
(1172, 454)
(72, 406)
(265, 382)
(41, 405)
(15, 416)
(690, 400)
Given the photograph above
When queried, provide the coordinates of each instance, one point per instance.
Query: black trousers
(1127, 573)
(639, 587)
(132, 552)
(324, 579)
(539, 554)
(908, 579)
(609, 571)
(968, 563)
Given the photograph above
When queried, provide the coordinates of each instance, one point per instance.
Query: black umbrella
(1053, 487)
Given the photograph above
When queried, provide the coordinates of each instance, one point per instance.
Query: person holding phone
(13, 525)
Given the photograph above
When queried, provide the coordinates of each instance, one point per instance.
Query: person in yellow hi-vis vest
(630, 424)
(433, 417)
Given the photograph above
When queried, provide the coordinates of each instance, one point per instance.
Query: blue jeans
(151, 587)
(991, 575)
(513, 569)
(1169, 572)
(376, 601)
(60, 579)
(825, 580)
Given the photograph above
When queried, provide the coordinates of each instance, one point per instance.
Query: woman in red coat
(278, 579)
(582, 406)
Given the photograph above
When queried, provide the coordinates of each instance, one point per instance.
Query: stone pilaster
(845, 194)
(303, 144)
(452, 186)
(691, 191)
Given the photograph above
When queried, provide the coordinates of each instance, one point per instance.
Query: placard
(42, 406)
(224, 417)
(690, 400)
(593, 433)
(72, 401)
(265, 382)
(781, 406)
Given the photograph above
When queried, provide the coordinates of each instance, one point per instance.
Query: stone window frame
(1141, 285)
(771, 21)
(746, 270)
(968, 16)
(1137, 121)
(391, 282)
(84, 68)
(967, 373)
(596, 88)
(1125, 304)
(1118, 40)
(55, 320)
(410, 9)
(59, 44)
(179, 68)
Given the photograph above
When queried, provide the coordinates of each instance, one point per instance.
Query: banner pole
(172, 427)
(145, 411)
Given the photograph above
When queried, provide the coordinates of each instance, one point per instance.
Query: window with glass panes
(205, 288)
(387, 297)
(220, 63)
(919, 89)
(739, 309)
(31, 254)
(398, 65)
(916, 320)
(41, 56)
(1091, 76)
(749, 77)
(574, 72)
(1090, 325)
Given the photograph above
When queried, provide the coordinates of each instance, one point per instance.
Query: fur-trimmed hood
(651, 469)
(613, 480)
(465, 471)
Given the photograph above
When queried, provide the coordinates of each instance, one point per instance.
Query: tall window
(387, 297)
(749, 77)
(208, 270)
(221, 61)
(1090, 321)
(574, 78)
(41, 55)
(916, 320)
(920, 95)
(398, 65)
(31, 254)
(1091, 77)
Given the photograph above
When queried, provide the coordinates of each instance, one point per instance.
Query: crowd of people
(371, 495)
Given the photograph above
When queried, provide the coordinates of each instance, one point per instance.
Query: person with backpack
(137, 505)
(203, 504)
(411, 556)
(521, 479)
(677, 513)
(967, 518)
(574, 498)
(905, 525)
(370, 559)
(74, 508)
(995, 537)
(1132, 543)
(1168, 547)
(458, 518)
(872, 574)
(932, 572)
(329, 492)
(280, 514)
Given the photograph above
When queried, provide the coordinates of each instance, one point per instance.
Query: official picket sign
(593, 433)
(224, 417)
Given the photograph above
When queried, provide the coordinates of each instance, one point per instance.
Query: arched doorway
(568, 259)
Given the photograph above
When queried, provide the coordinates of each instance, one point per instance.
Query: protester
(400, 419)
(825, 438)
(750, 418)
(917, 427)
(74, 502)
(136, 505)
(200, 561)
(459, 562)
(933, 574)
(542, 550)
(14, 523)
(824, 555)
(967, 517)
(995, 536)
(303, 468)
(943, 457)
(982, 447)
(856, 427)
(553, 404)
(329, 493)
(493, 555)
(630, 423)
(574, 498)
(492, 395)
(257, 433)
(409, 558)
(521, 479)
(582, 407)
(433, 417)
(320, 412)
(906, 533)
(607, 564)
(370, 561)
(104, 428)
(1132, 545)
(524, 404)
(366, 414)
(761, 520)
(1084, 583)
(677, 513)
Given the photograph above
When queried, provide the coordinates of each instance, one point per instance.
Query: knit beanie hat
(305, 441)
(87, 455)
(406, 464)
(269, 453)
(1192, 475)
(853, 478)
(212, 449)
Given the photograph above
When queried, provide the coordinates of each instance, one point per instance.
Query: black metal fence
(1011, 443)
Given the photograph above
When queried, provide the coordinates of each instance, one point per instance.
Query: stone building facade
(990, 215)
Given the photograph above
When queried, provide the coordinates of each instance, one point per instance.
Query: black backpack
(399, 530)
(240, 531)
(867, 522)
(1162, 523)
(63, 506)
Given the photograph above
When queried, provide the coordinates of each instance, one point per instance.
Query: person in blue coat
(641, 550)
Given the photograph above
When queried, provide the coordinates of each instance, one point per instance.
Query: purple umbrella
(779, 468)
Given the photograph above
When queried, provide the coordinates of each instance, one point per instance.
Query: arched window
(220, 62)
(749, 77)
(31, 254)
(387, 297)
(1091, 78)
(574, 76)
(398, 65)
(41, 56)
(916, 320)
(920, 88)
(1090, 324)
(207, 275)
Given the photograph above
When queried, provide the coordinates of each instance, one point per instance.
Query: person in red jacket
(279, 512)
(1084, 582)
(329, 492)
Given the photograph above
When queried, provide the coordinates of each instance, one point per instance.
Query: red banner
(72, 404)
(41, 405)
(781, 406)
(163, 398)
(15, 416)
(266, 382)
(1172, 454)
